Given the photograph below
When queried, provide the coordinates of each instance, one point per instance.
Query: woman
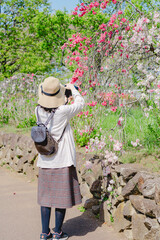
(57, 183)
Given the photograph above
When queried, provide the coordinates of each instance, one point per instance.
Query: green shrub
(27, 122)
(83, 139)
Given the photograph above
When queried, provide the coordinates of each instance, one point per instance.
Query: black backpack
(44, 142)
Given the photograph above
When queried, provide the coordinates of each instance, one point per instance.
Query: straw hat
(51, 93)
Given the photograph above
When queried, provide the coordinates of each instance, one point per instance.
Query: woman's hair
(46, 109)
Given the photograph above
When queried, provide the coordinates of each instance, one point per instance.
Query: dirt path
(20, 214)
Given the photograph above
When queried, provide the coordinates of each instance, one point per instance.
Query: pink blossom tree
(115, 59)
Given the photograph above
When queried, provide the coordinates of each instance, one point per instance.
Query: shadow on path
(81, 225)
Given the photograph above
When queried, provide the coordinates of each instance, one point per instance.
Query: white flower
(111, 181)
(109, 188)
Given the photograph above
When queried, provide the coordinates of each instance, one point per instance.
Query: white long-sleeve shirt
(66, 155)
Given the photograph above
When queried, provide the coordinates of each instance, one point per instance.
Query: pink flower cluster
(86, 114)
(120, 120)
(85, 8)
(117, 146)
(92, 104)
(88, 165)
(113, 109)
(136, 143)
(110, 97)
(110, 157)
(96, 144)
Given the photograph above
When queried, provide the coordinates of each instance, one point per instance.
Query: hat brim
(52, 101)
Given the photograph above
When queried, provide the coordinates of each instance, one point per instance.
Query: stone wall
(133, 207)
(136, 210)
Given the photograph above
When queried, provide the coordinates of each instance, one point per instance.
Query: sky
(61, 4)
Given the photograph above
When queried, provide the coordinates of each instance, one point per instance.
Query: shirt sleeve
(76, 107)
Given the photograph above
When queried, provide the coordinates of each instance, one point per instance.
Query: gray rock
(158, 213)
(10, 153)
(128, 170)
(30, 146)
(131, 186)
(153, 234)
(148, 188)
(6, 138)
(96, 209)
(128, 234)
(18, 152)
(34, 151)
(20, 164)
(128, 210)
(30, 172)
(138, 228)
(3, 153)
(119, 191)
(116, 200)
(157, 193)
(25, 167)
(105, 215)
(96, 189)
(11, 164)
(15, 160)
(145, 206)
(14, 141)
(97, 169)
(157, 235)
(88, 177)
(134, 185)
(120, 223)
(150, 223)
(36, 171)
(120, 198)
(30, 157)
(85, 190)
(121, 181)
(79, 177)
(22, 142)
(91, 202)
(7, 159)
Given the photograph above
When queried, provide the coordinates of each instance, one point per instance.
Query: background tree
(30, 37)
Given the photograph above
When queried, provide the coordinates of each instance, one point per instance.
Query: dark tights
(45, 219)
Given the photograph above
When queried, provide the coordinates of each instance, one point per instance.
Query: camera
(68, 92)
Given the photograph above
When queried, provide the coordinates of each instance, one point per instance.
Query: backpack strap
(50, 117)
(62, 134)
(38, 119)
(47, 121)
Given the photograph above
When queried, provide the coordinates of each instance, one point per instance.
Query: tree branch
(134, 7)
